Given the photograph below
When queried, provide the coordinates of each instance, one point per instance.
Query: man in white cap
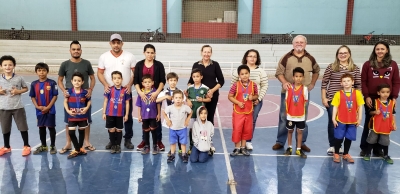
(123, 61)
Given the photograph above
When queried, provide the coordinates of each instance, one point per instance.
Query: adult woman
(156, 69)
(331, 84)
(212, 78)
(378, 70)
(252, 59)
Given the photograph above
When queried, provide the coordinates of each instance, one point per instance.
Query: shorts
(181, 134)
(114, 122)
(80, 124)
(373, 138)
(345, 130)
(149, 124)
(300, 125)
(192, 120)
(242, 127)
(89, 114)
(46, 120)
(19, 116)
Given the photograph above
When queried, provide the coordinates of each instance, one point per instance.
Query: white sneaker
(330, 151)
(249, 146)
(341, 151)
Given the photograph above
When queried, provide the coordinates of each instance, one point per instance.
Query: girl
(202, 134)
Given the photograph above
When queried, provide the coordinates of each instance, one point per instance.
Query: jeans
(331, 128)
(282, 131)
(129, 123)
(197, 156)
(256, 110)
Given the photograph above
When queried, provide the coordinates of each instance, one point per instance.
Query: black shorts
(149, 124)
(298, 124)
(114, 122)
(80, 124)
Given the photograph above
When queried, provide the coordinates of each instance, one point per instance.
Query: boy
(77, 105)
(382, 123)
(177, 117)
(43, 94)
(166, 97)
(296, 99)
(197, 95)
(115, 111)
(11, 88)
(346, 116)
(149, 114)
(242, 94)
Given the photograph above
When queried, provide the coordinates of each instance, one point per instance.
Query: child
(197, 95)
(242, 94)
(43, 94)
(11, 106)
(115, 111)
(346, 116)
(149, 114)
(296, 99)
(77, 105)
(383, 122)
(177, 117)
(166, 97)
(203, 131)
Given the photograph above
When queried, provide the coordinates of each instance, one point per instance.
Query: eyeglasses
(252, 56)
(345, 53)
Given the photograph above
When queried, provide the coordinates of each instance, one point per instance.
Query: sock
(52, 131)
(154, 136)
(385, 150)
(338, 144)
(42, 135)
(290, 146)
(6, 138)
(369, 149)
(81, 137)
(119, 138)
(74, 140)
(112, 136)
(298, 149)
(25, 138)
(347, 144)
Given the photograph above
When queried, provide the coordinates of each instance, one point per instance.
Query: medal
(385, 113)
(349, 101)
(295, 103)
(245, 97)
(245, 92)
(41, 91)
(349, 110)
(296, 97)
(115, 106)
(148, 109)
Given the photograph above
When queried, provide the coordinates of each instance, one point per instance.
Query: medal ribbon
(296, 97)
(349, 101)
(116, 99)
(245, 90)
(78, 101)
(196, 90)
(385, 114)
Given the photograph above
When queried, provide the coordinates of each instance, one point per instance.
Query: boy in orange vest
(346, 116)
(296, 99)
(382, 123)
(242, 94)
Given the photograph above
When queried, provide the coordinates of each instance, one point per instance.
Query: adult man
(297, 57)
(118, 60)
(67, 68)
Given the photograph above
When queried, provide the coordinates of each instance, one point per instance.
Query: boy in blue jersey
(77, 105)
(43, 94)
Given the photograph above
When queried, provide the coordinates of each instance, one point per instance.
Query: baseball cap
(115, 36)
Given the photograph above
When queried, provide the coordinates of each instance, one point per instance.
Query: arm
(67, 108)
(314, 76)
(325, 81)
(263, 85)
(187, 120)
(154, 95)
(105, 102)
(395, 81)
(92, 84)
(35, 103)
(334, 113)
(102, 79)
(364, 84)
(357, 78)
(232, 98)
(220, 78)
(139, 114)
(87, 107)
(47, 108)
(359, 115)
(167, 120)
(195, 136)
(235, 77)
(126, 110)
(158, 112)
(130, 83)
(60, 84)
(285, 84)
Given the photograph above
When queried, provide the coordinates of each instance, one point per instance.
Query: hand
(189, 104)
(394, 127)
(83, 111)
(14, 91)
(2, 92)
(45, 109)
(325, 102)
(153, 96)
(143, 96)
(377, 112)
(200, 99)
(368, 101)
(169, 97)
(186, 93)
(125, 118)
(286, 85)
(158, 117)
(187, 122)
(241, 104)
(66, 94)
(250, 97)
(335, 124)
(128, 88)
(169, 123)
(71, 113)
(394, 101)
(89, 93)
(106, 89)
(255, 102)
(358, 122)
(104, 116)
(139, 119)
(210, 93)
(311, 86)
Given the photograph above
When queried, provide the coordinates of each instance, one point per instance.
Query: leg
(19, 116)
(203, 157)
(299, 138)
(190, 139)
(282, 131)
(289, 138)
(256, 111)
(42, 134)
(338, 145)
(305, 131)
(87, 131)
(52, 132)
(173, 147)
(194, 156)
(331, 128)
(81, 137)
(347, 144)
(211, 106)
(112, 137)
(74, 140)
(68, 139)
(128, 127)
(363, 141)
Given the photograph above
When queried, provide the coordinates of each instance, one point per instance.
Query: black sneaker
(155, 150)
(378, 153)
(362, 153)
(40, 149)
(171, 158)
(145, 150)
(388, 159)
(301, 154)
(235, 152)
(185, 158)
(128, 144)
(169, 153)
(53, 150)
(117, 149)
(113, 150)
(244, 151)
(288, 152)
(108, 146)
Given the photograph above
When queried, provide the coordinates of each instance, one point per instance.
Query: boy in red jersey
(242, 94)
(115, 111)
(296, 99)
(346, 116)
(382, 122)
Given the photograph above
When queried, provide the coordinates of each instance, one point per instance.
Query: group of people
(189, 112)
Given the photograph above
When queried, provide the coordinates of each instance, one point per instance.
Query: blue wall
(245, 14)
(174, 16)
(121, 15)
(381, 16)
(303, 16)
(35, 14)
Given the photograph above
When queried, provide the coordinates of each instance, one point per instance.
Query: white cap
(115, 36)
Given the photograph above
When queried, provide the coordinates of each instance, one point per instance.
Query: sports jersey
(148, 109)
(194, 93)
(77, 102)
(116, 103)
(43, 92)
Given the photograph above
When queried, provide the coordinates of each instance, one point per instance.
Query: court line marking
(398, 144)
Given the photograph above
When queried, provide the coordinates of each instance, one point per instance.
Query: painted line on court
(398, 144)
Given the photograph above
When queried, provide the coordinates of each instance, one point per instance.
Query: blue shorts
(181, 134)
(346, 130)
(46, 120)
(89, 113)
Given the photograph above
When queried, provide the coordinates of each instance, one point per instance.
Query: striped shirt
(234, 88)
(331, 80)
(43, 92)
(116, 103)
(77, 102)
(259, 77)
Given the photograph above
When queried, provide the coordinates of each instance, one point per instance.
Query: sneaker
(140, 146)
(330, 151)
(388, 159)
(155, 150)
(171, 158)
(185, 158)
(145, 150)
(188, 152)
(348, 158)
(180, 152)
(378, 153)
(53, 150)
(336, 158)
(113, 149)
(367, 157)
(341, 151)
(288, 152)
(73, 154)
(160, 145)
(235, 152)
(244, 151)
(301, 153)
(362, 153)
(4, 150)
(128, 144)
(169, 152)
(117, 149)
(108, 146)
(249, 146)
(305, 148)
(26, 151)
(82, 151)
(277, 146)
(40, 149)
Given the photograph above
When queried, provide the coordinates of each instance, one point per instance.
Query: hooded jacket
(202, 133)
